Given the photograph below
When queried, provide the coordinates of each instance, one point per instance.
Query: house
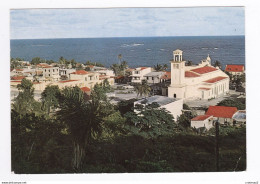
(222, 113)
(64, 73)
(235, 69)
(154, 77)
(89, 79)
(51, 73)
(201, 81)
(173, 105)
(239, 117)
(202, 121)
(138, 74)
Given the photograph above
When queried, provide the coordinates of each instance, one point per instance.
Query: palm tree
(217, 64)
(142, 89)
(165, 67)
(158, 67)
(83, 120)
(119, 58)
(189, 63)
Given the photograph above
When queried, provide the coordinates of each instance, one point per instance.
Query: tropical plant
(158, 67)
(142, 89)
(50, 97)
(150, 121)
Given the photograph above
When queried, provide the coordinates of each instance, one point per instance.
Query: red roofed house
(88, 79)
(222, 113)
(202, 121)
(235, 69)
(201, 81)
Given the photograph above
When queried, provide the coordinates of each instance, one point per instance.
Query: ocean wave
(132, 45)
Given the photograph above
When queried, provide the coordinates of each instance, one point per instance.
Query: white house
(66, 72)
(173, 105)
(138, 74)
(201, 81)
(202, 121)
(51, 73)
(154, 77)
(235, 69)
(88, 78)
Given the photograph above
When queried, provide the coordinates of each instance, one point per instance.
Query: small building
(222, 113)
(173, 105)
(138, 74)
(51, 73)
(89, 79)
(202, 121)
(66, 72)
(235, 69)
(154, 77)
(239, 117)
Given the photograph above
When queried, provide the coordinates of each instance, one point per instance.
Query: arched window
(174, 95)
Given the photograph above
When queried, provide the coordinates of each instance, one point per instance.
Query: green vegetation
(66, 133)
(142, 89)
(159, 67)
(94, 63)
(119, 69)
(240, 104)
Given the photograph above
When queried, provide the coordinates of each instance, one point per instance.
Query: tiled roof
(205, 69)
(216, 79)
(204, 88)
(85, 89)
(221, 111)
(142, 68)
(167, 75)
(80, 72)
(18, 69)
(191, 74)
(200, 117)
(234, 68)
(67, 81)
(17, 77)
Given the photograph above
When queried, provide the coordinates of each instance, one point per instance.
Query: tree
(150, 121)
(106, 86)
(119, 58)
(217, 64)
(25, 102)
(158, 67)
(189, 63)
(50, 97)
(165, 67)
(142, 89)
(232, 103)
(84, 119)
(36, 60)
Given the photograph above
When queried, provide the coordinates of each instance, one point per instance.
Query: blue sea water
(140, 51)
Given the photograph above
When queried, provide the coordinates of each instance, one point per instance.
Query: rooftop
(161, 100)
(221, 111)
(154, 74)
(240, 115)
(167, 75)
(216, 79)
(205, 69)
(191, 74)
(80, 72)
(67, 81)
(234, 68)
(85, 89)
(201, 117)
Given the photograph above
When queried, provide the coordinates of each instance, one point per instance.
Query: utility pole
(217, 144)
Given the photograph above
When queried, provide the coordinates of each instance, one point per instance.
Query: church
(201, 81)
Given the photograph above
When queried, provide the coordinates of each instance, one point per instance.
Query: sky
(126, 22)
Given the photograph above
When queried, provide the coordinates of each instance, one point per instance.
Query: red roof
(166, 75)
(204, 88)
(142, 68)
(234, 68)
(67, 81)
(216, 79)
(80, 72)
(200, 117)
(191, 74)
(221, 111)
(18, 77)
(19, 69)
(85, 89)
(205, 69)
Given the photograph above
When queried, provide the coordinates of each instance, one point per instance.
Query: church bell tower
(177, 87)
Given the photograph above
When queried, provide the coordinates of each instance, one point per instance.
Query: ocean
(139, 51)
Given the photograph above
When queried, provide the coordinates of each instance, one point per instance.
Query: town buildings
(138, 74)
(235, 69)
(201, 81)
